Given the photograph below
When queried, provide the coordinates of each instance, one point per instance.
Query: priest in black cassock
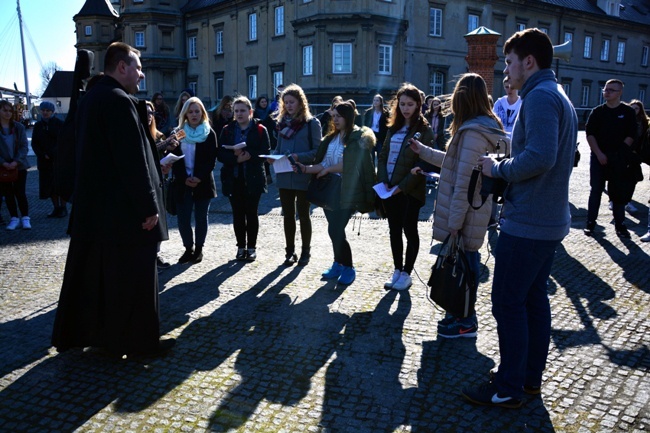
(109, 296)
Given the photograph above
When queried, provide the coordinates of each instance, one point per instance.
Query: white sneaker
(403, 283)
(630, 208)
(26, 224)
(645, 237)
(13, 223)
(611, 206)
(390, 283)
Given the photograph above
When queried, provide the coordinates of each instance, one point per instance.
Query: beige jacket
(452, 210)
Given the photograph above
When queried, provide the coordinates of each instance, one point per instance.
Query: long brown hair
(396, 120)
(296, 91)
(469, 100)
(346, 110)
(5, 103)
(153, 128)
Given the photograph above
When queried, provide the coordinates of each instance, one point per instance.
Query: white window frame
(436, 83)
(620, 52)
(342, 58)
(218, 85)
(642, 96)
(252, 27)
(308, 60)
(88, 30)
(142, 85)
(544, 30)
(568, 36)
(567, 88)
(471, 20)
(191, 47)
(279, 21)
(278, 79)
(385, 57)
(435, 22)
(584, 98)
(644, 55)
(138, 39)
(252, 86)
(193, 86)
(520, 26)
(218, 41)
(604, 50)
(589, 43)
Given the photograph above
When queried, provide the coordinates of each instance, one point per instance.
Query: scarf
(289, 126)
(196, 135)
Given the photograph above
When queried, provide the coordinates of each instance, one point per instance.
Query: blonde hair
(303, 112)
(153, 128)
(182, 119)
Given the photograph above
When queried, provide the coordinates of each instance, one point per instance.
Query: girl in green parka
(345, 151)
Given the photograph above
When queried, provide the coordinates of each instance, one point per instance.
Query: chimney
(482, 54)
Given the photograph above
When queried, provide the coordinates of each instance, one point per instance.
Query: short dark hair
(116, 52)
(531, 42)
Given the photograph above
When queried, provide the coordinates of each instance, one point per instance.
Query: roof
(60, 85)
(98, 7)
(194, 5)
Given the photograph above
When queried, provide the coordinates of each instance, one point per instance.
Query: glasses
(149, 113)
(608, 90)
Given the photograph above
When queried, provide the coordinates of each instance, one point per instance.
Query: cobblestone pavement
(265, 348)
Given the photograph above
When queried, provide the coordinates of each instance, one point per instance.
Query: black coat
(252, 171)
(205, 159)
(118, 178)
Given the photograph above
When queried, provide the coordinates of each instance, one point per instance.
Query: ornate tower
(482, 54)
(97, 26)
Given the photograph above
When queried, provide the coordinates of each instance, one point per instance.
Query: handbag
(452, 284)
(325, 191)
(8, 174)
(170, 196)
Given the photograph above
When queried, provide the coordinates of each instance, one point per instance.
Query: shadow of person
(363, 391)
(25, 340)
(284, 346)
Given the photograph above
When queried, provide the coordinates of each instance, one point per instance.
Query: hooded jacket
(358, 175)
(474, 138)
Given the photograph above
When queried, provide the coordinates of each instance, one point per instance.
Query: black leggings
(290, 200)
(337, 220)
(403, 211)
(245, 219)
(15, 192)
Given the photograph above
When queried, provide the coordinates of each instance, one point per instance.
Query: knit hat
(47, 105)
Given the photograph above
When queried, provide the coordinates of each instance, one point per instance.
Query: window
(142, 85)
(193, 86)
(472, 22)
(218, 39)
(568, 36)
(139, 39)
(88, 30)
(604, 50)
(644, 56)
(587, 50)
(278, 78)
(544, 30)
(218, 85)
(620, 52)
(167, 39)
(435, 22)
(385, 59)
(642, 96)
(308, 60)
(342, 58)
(521, 26)
(252, 27)
(191, 47)
(279, 20)
(252, 86)
(567, 88)
(584, 99)
(436, 83)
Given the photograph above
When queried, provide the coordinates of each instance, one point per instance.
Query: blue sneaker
(333, 272)
(347, 275)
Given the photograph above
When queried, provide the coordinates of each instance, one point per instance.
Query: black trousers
(245, 219)
(402, 212)
(290, 200)
(337, 220)
(15, 192)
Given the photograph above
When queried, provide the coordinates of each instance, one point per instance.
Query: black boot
(304, 256)
(290, 257)
(198, 255)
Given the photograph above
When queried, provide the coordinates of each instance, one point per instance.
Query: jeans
(15, 192)
(402, 212)
(245, 219)
(597, 179)
(290, 199)
(184, 210)
(522, 310)
(337, 220)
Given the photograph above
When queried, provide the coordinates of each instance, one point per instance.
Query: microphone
(293, 161)
(417, 136)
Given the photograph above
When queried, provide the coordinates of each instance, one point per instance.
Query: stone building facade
(357, 48)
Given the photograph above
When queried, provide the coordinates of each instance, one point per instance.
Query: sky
(49, 25)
